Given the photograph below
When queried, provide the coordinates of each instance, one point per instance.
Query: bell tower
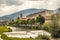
(21, 15)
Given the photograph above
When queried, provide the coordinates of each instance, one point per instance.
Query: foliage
(31, 21)
(40, 19)
(4, 29)
(44, 37)
(46, 26)
(54, 29)
(21, 38)
(10, 30)
(53, 26)
(40, 37)
(4, 37)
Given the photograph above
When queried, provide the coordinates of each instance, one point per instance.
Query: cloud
(53, 4)
(11, 2)
(33, 0)
(6, 10)
(45, 4)
(10, 6)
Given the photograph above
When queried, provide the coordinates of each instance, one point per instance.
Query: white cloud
(5, 10)
(46, 4)
(11, 2)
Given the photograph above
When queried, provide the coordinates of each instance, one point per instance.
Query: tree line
(40, 19)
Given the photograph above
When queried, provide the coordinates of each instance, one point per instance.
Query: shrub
(4, 29)
(44, 37)
(4, 37)
(46, 26)
(55, 28)
(10, 30)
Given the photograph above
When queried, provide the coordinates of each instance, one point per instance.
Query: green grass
(4, 29)
(21, 39)
(3, 36)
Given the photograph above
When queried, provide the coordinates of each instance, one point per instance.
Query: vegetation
(29, 23)
(53, 27)
(40, 19)
(4, 37)
(46, 26)
(4, 29)
(44, 37)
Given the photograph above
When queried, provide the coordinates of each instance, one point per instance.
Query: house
(46, 14)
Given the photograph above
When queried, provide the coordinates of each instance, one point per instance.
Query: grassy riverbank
(4, 29)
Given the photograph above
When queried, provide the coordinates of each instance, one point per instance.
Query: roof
(38, 13)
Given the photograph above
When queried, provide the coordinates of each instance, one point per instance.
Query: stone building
(22, 18)
(47, 14)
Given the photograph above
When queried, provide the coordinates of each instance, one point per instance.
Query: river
(18, 28)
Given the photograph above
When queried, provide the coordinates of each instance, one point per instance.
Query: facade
(47, 14)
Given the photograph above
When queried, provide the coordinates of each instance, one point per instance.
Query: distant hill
(57, 10)
(17, 14)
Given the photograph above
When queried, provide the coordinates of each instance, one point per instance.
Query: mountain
(57, 10)
(17, 14)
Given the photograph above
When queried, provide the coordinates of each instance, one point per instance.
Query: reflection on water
(15, 28)
(18, 28)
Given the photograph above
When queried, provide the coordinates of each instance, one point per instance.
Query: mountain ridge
(17, 14)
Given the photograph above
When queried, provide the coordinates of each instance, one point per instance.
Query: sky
(10, 6)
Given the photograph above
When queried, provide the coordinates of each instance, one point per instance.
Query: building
(47, 14)
(21, 17)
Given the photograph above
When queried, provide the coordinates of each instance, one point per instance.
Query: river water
(18, 28)
(15, 28)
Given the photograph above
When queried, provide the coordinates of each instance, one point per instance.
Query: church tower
(21, 15)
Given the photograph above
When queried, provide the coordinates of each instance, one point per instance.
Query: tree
(28, 21)
(18, 18)
(32, 21)
(11, 22)
(40, 19)
(23, 22)
(54, 28)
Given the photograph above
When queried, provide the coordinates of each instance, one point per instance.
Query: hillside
(17, 14)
